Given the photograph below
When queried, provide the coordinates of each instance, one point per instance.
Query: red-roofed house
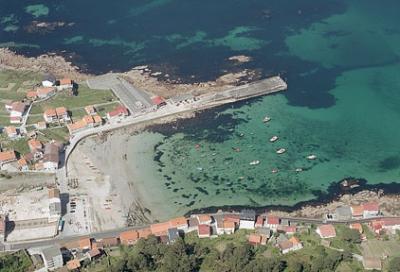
(62, 114)
(391, 224)
(119, 111)
(326, 231)
(34, 145)
(160, 229)
(181, 223)
(50, 115)
(44, 92)
(129, 237)
(203, 231)
(158, 101)
(371, 209)
(65, 84)
(292, 244)
(357, 211)
(11, 132)
(85, 244)
(204, 219)
(31, 95)
(235, 218)
(90, 110)
(376, 226)
(23, 165)
(144, 233)
(290, 229)
(7, 157)
(260, 221)
(272, 222)
(255, 239)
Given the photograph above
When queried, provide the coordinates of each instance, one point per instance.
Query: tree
(394, 264)
(351, 235)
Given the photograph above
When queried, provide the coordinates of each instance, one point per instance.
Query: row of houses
(366, 210)
(43, 157)
(59, 114)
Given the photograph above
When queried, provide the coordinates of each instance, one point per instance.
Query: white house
(292, 244)
(65, 84)
(48, 80)
(247, 219)
(51, 157)
(54, 204)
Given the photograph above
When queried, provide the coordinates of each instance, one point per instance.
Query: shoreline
(316, 207)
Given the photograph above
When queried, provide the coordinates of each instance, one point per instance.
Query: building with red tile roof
(159, 229)
(44, 92)
(326, 231)
(158, 101)
(371, 209)
(255, 239)
(272, 222)
(11, 132)
(23, 165)
(144, 233)
(31, 95)
(179, 223)
(62, 114)
(357, 211)
(204, 218)
(85, 243)
(35, 145)
(129, 237)
(73, 264)
(235, 218)
(119, 111)
(260, 221)
(50, 115)
(90, 110)
(7, 157)
(203, 231)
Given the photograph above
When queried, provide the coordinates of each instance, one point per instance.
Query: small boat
(200, 168)
(254, 162)
(266, 119)
(298, 170)
(280, 151)
(273, 139)
(236, 149)
(312, 157)
(274, 171)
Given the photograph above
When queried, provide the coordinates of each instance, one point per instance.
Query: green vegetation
(394, 264)
(19, 145)
(84, 97)
(14, 84)
(225, 253)
(16, 262)
(58, 133)
(347, 239)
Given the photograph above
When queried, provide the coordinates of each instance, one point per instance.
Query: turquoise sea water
(340, 58)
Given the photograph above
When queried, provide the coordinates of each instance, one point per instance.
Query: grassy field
(84, 98)
(378, 248)
(23, 80)
(20, 145)
(59, 134)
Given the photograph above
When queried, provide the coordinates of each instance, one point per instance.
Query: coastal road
(116, 232)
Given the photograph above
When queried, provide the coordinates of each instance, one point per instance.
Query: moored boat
(312, 157)
(255, 162)
(273, 139)
(274, 171)
(266, 119)
(280, 151)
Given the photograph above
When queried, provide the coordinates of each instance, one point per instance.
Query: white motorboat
(266, 119)
(280, 151)
(312, 157)
(274, 171)
(254, 162)
(273, 139)
(299, 170)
